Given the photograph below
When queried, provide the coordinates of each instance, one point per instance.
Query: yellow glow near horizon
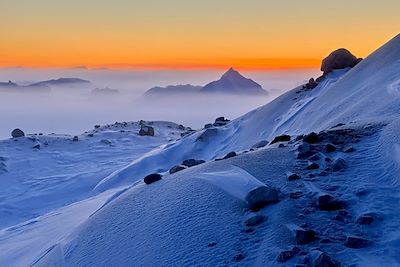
(258, 34)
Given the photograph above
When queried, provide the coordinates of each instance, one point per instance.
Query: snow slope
(196, 217)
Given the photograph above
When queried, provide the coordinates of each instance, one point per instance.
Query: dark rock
(368, 218)
(261, 196)
(348, 149)
(311, 138)
(238, 257)
(296, 195)
(299, 137)
(329, 203)
(208, 125)
(212, 244)
(306, 151)
(90, 135)
(181, 127)
(329, 148)
(285, 255)
(312, 166)
(357, 242)
(293, 176)
(151, 178)
(75, 138)
(176, 168)
(260, 144)
(281, 138)
(255, 220)
(311, 84)
(97, 126)
(207, 134)
(17, 133)
(230, 155)
(324, 260)
(146, 131)
(339, 59)
(281, 145)
(37, 146)
(192, 162)
(338, 165)
(315, 157)
(105, 141)
(305, 236)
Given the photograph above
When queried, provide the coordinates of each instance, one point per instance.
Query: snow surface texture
(197, 217)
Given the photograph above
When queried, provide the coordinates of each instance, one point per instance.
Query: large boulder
(17, 133)
(261, 196)
(339, 59)
(146, 131)
(151, 178)
(177, 168)
(192, 162)
(281, 138)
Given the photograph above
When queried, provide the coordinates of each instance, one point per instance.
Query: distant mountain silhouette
(173, 89)
(16, 88)
(104, 91)
(63, 82)
(231, 82)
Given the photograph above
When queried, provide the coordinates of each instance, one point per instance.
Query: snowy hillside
(332, 196)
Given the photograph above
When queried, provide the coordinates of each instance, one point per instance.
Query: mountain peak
(231, 73)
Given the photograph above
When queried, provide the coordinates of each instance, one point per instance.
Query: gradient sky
(188, 34)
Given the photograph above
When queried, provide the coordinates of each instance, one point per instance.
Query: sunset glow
(190, 34)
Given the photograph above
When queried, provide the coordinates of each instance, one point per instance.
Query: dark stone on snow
(17, 133)
(368, 218)
(306, 151)
(329, 148)
(261, 196)
(285, 255)
(281, 138)
(260, 144)
(176, 168)
(97, 126)
(238, 257)
(208, 125)
(151, 178)
(212, 244)
(75, 138)
(255, 220)
(339, 59)
(230, 155)
(348, 149)
(181, 127)
(311, 84)
(312, 166)
(329, 203)
(324, 260)
(299, 137)
(146, 131)
(207, 134)
(37, 146)
(305, 236)
(293, 176)
(296, 195)
(311, 138)
(192, 162)
(338, 165)
(357, 242)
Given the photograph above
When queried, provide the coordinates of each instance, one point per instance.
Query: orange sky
(257, 34)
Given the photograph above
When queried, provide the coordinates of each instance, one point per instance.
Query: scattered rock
(285, 255)
(312, 166)
(255, 220)
(329, 203)
(177, 168)
(357, 242)
(324, 260)
(17, 133)
(37, 146)
(146, 131)
(97, 126)
(230, 155)
(348, 149)
(293, 176)
(306, 151)
(207, 134)
(329, 148)
(260, 144)
(220, 121)
(90, 135)
(368, 218)
(212, 244)
(311, 84)
(105, 141)
(192, 162)
(296, 195)
(281, 145)
(339, 59)
(181, 127)
(208, 125)
(305, 236)
(281, 138)
(238, 257)
(75, 138)
(311, 138)
(338, 165)
(261, 196)
(151, 178)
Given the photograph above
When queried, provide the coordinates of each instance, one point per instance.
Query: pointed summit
(232, 82)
